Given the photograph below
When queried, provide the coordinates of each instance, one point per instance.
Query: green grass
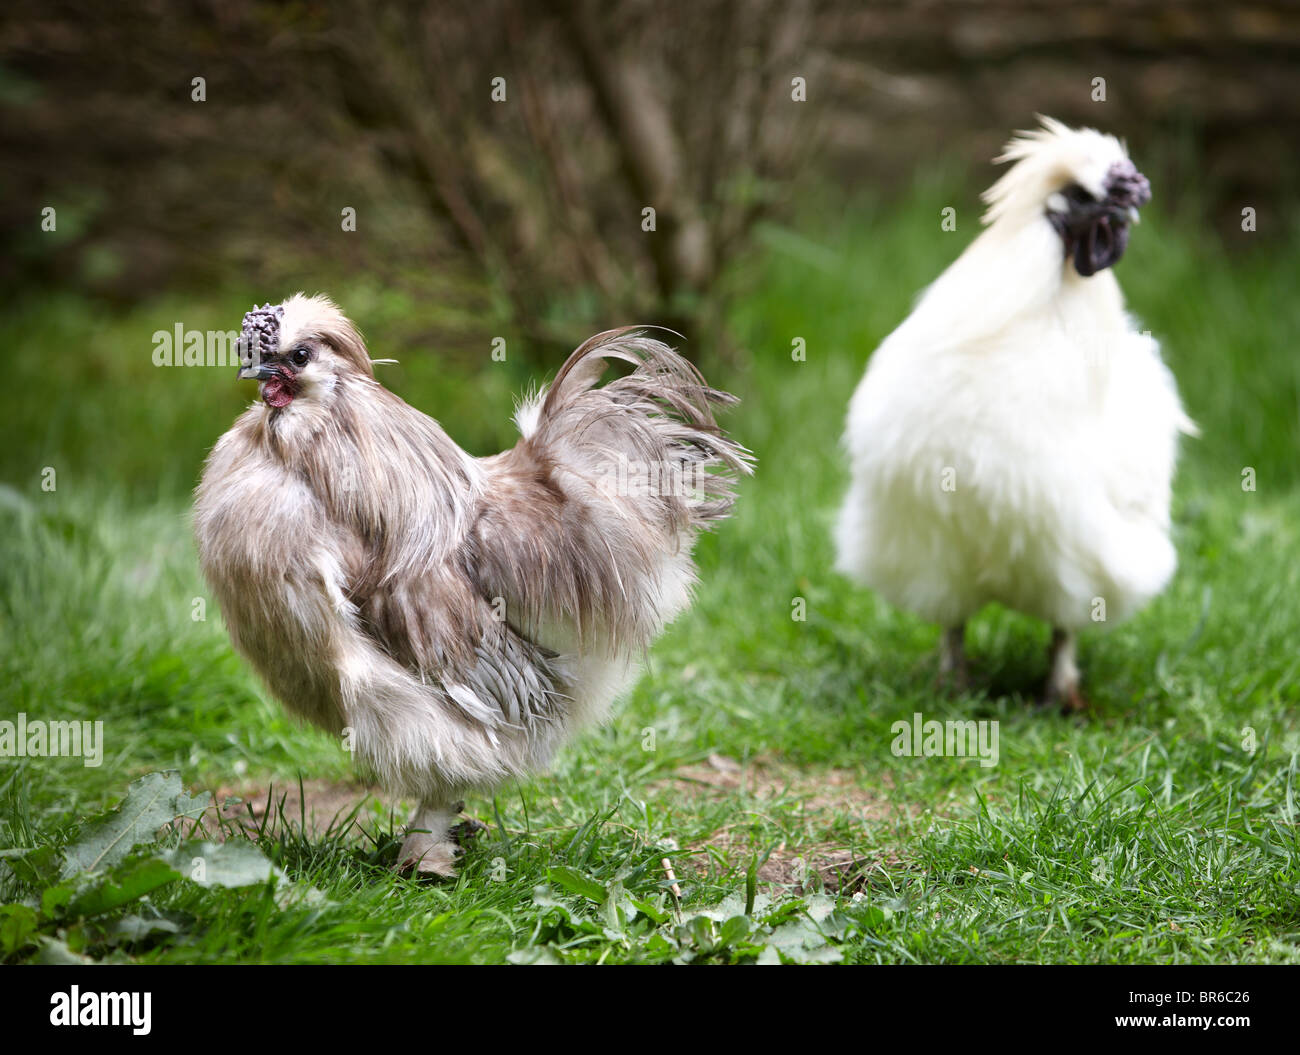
(1144, 832)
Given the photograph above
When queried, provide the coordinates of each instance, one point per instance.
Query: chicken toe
(431, 847)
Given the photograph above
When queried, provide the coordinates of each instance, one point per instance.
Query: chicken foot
(434, 839)
(1062, 686)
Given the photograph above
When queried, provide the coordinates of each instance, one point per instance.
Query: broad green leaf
(136, 928)
(125, 884)
(820, 906)
(56, 951)
(576, 883)
(801, 942)
(648, 908)
(36, 867)
(55, 898)
(733, 905)
(734, 931)
(18, 924)
(151, 802)
(233, 864)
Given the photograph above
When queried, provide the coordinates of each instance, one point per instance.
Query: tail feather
(604, 494)
(651, 433)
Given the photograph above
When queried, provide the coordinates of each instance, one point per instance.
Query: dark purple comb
(260, 336)
(1126, 186)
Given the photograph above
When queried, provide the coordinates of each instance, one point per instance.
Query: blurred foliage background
(499, 154)
(200, 156)
(777, 220)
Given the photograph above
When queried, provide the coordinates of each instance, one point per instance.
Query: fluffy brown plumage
(457, 616)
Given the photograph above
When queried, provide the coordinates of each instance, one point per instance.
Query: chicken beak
(256, 372)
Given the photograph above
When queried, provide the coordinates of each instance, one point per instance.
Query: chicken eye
(1077, 196)
(300, 356)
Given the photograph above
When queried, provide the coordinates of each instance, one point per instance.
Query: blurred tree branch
(527, 207)
(526, 214)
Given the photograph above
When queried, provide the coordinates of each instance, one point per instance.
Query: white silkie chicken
(1014, 440)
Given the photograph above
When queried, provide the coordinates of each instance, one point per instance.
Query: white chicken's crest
(1047, 159)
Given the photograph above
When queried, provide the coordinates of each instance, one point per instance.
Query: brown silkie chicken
(455, 618)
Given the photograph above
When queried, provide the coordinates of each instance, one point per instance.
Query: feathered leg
(954, 674)
(430, 847)
(1063, 681)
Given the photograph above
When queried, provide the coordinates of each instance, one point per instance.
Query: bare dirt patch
(830, 831)
(820, 804)
(315, 806)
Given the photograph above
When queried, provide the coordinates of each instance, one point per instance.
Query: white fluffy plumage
(1014, 440)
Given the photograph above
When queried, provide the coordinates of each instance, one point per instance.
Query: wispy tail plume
(656, 424)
